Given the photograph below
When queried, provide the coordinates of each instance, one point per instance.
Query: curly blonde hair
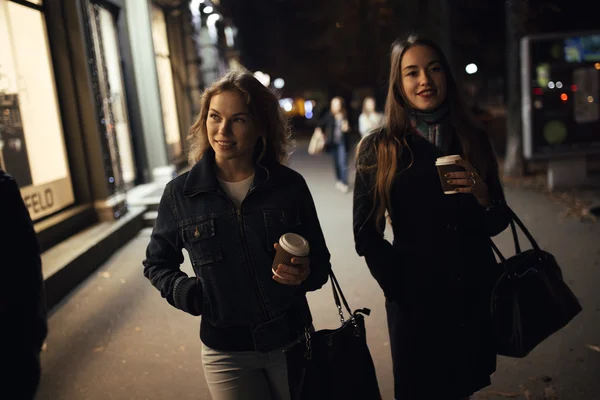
(264, 109)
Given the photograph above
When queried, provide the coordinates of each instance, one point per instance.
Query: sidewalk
(114, 337)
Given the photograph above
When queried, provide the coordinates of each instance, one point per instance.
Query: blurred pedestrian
(228, 212)
(336, 129)
(22, 296)
(436, 276)
(370, 119)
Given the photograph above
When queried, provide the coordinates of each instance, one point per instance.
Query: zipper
(246, 252)
(248, 259)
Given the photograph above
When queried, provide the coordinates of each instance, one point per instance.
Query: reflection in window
(108, 30)
(165, 82)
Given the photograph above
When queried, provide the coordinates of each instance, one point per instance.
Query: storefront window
(165, 82)
(112, 90)
(32, 147)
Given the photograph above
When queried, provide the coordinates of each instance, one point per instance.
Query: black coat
(22, 296)
(327, 125)
(436, 276)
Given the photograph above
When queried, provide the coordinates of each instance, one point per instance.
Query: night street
(114, 337)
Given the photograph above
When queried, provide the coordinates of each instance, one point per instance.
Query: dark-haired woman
(436, 276)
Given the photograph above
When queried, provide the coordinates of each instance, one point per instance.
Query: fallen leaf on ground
(98, 349)
(138, 329)
(123, 280)
(182, 347)
(106, 274)
(593, 347)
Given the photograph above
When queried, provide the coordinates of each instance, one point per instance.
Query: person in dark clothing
(335, 127)
(229, 212)
(22, 305)
(437, 274)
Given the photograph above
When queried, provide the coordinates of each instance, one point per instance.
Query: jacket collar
(203, 176)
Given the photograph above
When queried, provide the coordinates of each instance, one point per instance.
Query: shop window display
(32, 147)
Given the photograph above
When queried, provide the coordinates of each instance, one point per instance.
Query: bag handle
(515, 220)
(337, 294)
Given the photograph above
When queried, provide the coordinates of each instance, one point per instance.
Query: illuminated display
(560, 85)
(32, 145)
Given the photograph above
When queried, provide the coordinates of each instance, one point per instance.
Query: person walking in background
(229, 211)
(336, 129)
(22, 297)
(369, 118)
(437, 274)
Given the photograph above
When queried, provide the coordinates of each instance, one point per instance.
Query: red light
(564, 97)
(574, 88)
(538, 91)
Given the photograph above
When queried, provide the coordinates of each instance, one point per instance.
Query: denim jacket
(231, 250)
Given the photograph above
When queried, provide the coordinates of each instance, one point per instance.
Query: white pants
(246, 375)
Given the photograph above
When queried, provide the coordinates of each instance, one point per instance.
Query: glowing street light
(208, 10)
(471, 69)
(263, 78)
(278, 83)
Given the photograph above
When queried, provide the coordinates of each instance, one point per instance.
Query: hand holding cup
(291, 265)
(459, 176)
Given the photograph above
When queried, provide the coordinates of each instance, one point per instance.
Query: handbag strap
(515, 220)
(337, 294)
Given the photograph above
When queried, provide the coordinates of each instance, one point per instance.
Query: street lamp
(195, 6)
(208, 10)
(471, 69)
(278, 83)
(263, 78)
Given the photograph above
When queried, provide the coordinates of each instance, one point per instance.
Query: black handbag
(336, 364)
(530, 299)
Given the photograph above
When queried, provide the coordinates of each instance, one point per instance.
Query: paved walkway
(114, 337)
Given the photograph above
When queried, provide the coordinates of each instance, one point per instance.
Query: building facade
(96, 99)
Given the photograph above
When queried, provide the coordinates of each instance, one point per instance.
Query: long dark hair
(380, 153)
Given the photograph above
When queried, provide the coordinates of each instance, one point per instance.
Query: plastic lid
(448, 159)
(294, 244)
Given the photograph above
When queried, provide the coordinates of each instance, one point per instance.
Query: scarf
(433, 126)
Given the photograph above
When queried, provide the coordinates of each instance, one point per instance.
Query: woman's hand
(469, 181)
(345, 126)
(292, 275)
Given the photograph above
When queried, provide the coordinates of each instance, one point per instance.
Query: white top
(369, 122)
(237, 191)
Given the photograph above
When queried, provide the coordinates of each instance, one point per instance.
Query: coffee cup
(290, 245)
(445, 165)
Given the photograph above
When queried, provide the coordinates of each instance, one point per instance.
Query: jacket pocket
(199, 236)
(200, 240)
(278, 222)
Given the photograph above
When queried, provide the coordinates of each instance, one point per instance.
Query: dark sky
(298, 39)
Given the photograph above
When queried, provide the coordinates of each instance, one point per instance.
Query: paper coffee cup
(290, 245)
(445, 165)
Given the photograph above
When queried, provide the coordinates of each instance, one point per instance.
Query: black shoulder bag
(530, 300)
(336, 364)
